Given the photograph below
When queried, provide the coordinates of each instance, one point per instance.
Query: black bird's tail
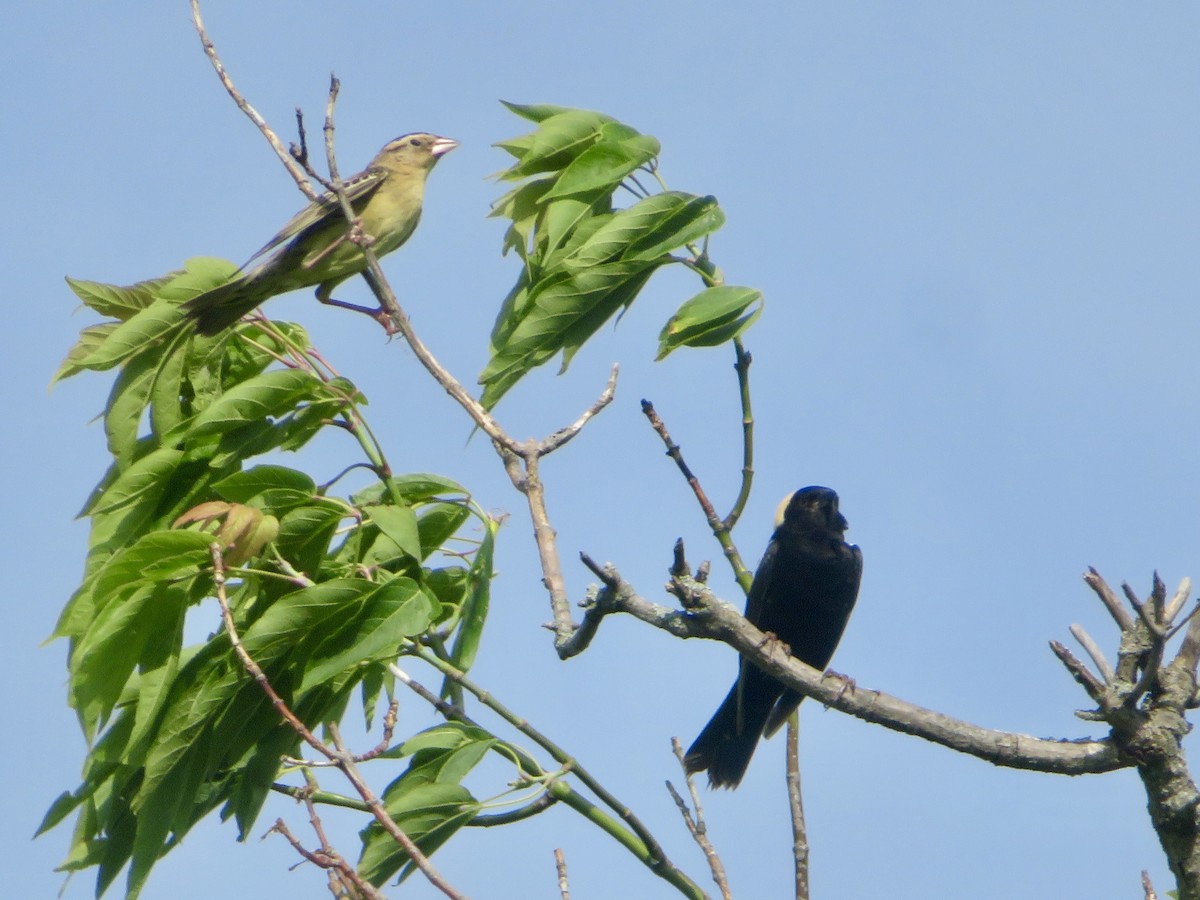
(724, 749)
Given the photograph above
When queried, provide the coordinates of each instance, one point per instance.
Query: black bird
(803, 592)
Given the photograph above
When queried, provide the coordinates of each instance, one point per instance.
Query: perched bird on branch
(803, 592)
(315, 248)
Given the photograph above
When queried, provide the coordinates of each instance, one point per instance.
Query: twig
(1109, 599)
(742, 367)
(796, 806)
(1148, 887)
(1177, 602)
(1080, 672)
(560, 865)
(260, 123)
(719, 527)
(653, 856)
(337, 752)
(1094, 651)
(696, 826)
(560, 437)
(329, 859)
(673, 451)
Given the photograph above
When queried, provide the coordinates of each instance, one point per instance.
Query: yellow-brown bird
(314, 247)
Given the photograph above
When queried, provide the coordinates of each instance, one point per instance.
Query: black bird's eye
(417, 142)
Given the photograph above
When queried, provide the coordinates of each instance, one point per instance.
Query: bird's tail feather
(218, 309)
(722, 748)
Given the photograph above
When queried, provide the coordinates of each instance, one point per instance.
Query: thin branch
(1080, 672)
(337, 752)
(719, 528)
(1189, 651)
(1109, 599)
(696, 826)
(742, 367)
(560, 437)
(796, 807)
(329, 859)
(1177, 602)
(260, 123)
(673, 451)
(560, 866)
(1093, 650)
(652, 855)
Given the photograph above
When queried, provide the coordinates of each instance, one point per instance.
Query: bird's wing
(756, 599)
(756, 602)
(358, 190)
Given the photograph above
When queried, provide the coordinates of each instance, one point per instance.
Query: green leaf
(413, 488)
(561, 317)
(144, 482)
(602, 166)
(399, 524)
(562, 217)
(438, 523)
(102, 662)
(429, 814)
(262, 397)
(167, 404)
(558, 140)
(535, 112)
(116, 301)
(132, 337)
(157, 556)
(322, 607)
(675, 220)
(90, 339)
(396, 610)
(478, 600)
(273, 487)
(305, 534)
(127, 402)
(711, 318)
(648, 229)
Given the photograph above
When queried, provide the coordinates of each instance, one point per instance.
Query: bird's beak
(442, 146)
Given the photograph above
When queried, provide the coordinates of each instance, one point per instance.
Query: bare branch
(742, 367)
(1094, 651)
(696, 826)
(560, 437)
(796, 807)
(1079, 672)
(560, 865)
(260, 123)
(1109, 599)
(673, 451)
(705, 616)
(329, 859)
(1177, 602)
(719, 528)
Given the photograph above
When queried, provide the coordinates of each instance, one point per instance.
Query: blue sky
(975, 228)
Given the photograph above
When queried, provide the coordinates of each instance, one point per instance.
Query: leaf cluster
(584, 259)
(326, 589)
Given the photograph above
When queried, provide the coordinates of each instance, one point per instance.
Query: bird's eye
(417, 142)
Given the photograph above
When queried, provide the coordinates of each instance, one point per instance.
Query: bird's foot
(848, 683)
(771, 641)
(384, 318)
